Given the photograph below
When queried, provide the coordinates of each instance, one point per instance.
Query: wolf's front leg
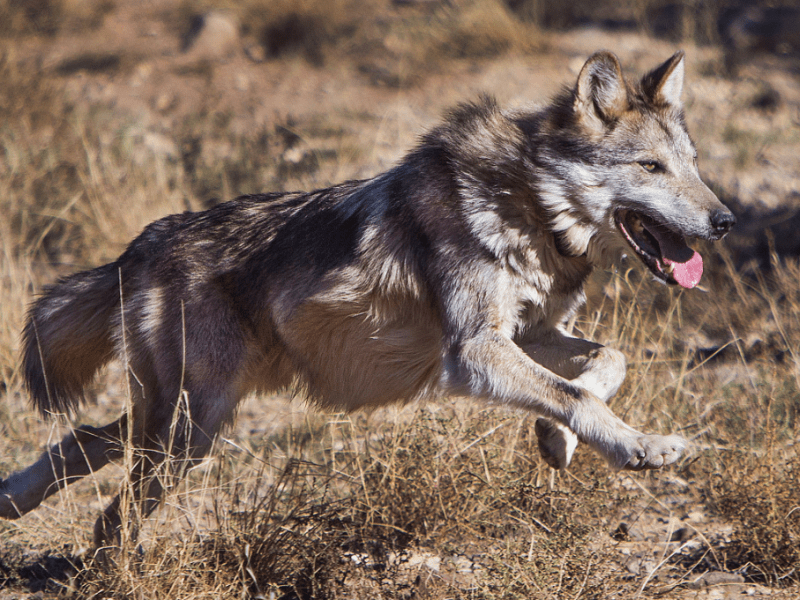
(600, 371)
(623, 446)
(497, 368)
(588, 365)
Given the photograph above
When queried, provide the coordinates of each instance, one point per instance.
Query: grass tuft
(447, 500)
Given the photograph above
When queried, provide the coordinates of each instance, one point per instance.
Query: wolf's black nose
(722, 220)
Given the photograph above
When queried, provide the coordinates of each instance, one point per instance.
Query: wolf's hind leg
(155, 470)
(595, 368)
(153, 474)
(171, 438)
(181, 399)
(83, 451)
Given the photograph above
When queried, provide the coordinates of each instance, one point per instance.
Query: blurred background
(114, 113)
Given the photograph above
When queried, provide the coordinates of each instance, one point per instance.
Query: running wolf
(452, 273)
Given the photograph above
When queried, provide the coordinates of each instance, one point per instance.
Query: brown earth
(120, 113)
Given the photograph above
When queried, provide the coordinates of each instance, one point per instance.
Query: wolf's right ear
(663, 85)
(601, 95)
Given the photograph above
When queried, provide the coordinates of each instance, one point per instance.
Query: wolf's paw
(556, 443)
(656, 451)
(8, 509)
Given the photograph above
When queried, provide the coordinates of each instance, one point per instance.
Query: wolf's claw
(656, 451)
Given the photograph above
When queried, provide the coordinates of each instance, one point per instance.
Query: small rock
(141, 73)
(160, 145)
(716, 578)
(465, 565)
(256, 53)
(684, 534)
(164, 101)
(625, 532)
(696, 516)
(214, 36)
(634, 566)
(621, 533)
(424, 559)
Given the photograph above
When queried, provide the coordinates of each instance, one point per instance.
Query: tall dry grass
(448, 500)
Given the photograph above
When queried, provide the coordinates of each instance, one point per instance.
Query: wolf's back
(69, 336)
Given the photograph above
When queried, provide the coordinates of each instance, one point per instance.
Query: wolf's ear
(601, 95)
(663, 85)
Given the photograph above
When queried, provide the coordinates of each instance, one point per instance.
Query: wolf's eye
(651, 166)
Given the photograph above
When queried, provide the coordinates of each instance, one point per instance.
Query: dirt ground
(203, 114)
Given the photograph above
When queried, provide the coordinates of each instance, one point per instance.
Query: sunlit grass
(443, 500)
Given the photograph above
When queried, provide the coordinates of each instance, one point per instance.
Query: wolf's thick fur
(450, 274)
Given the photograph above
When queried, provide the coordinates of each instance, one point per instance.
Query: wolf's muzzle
(721, 222)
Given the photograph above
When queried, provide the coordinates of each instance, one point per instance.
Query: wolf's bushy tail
(69, 336)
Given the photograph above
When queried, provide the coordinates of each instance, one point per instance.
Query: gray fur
(453, 273)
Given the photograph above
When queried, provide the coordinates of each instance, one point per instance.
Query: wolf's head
(624, 172)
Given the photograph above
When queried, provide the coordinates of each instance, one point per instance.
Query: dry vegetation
(448, 500)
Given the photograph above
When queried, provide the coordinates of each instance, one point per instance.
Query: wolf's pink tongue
(687, 265)
(688, 273)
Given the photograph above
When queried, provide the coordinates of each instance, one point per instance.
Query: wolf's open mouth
(663, 251)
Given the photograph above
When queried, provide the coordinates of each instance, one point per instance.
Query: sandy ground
(749, 151)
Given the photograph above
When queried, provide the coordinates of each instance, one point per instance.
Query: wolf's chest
(525, 306)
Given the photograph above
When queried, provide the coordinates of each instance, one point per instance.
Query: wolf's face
(640, 186)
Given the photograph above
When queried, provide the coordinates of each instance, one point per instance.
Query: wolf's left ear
(663, 85)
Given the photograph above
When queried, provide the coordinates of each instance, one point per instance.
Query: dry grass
(452, 500)
(442, 501)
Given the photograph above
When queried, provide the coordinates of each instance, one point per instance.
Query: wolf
(451, 274)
